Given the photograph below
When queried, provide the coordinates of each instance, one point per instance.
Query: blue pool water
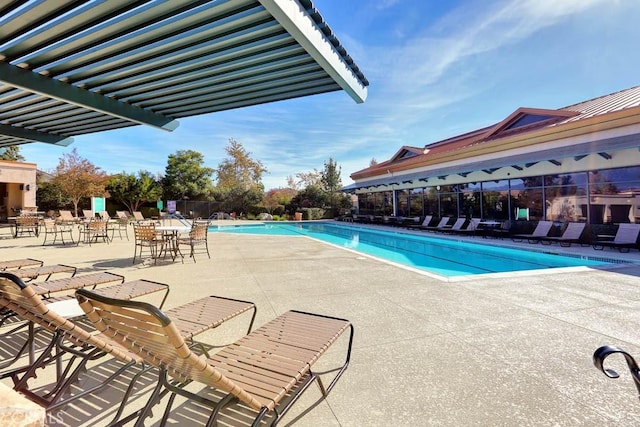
(445, 257)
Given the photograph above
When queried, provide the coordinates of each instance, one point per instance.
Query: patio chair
(88, 214)
(263, 373)
(93, 230)
(542, 230)
(103, 215)
(146, 237)
(626, 237)
(51, 228)
(70, 344)
(119, 224)
(605, 351)
(19, 263)
(570, 235)
(197, 239)
(29, 224)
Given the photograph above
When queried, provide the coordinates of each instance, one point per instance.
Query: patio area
(507, 351)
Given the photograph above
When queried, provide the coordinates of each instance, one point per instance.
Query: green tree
(330, 179)
(11, 153)
(133, 190)
(77, 177)
(239, 179)
(186, 177)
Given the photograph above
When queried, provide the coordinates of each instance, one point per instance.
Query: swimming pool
(445, 257)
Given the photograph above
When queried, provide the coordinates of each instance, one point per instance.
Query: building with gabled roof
(577, 163)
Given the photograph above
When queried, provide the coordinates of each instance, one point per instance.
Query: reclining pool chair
(19, 263)
(570, 235)
(32, 273)
(266, 371)
(626, 238)
(76, 341)
(541, 230)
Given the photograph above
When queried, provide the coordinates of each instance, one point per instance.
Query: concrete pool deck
(508, 351)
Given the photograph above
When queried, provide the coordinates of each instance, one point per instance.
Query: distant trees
(133, 190)
(76, 177)
(186, 177)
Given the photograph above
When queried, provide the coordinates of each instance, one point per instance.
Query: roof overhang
(69, 68)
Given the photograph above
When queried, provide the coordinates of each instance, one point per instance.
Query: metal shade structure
(72, 67)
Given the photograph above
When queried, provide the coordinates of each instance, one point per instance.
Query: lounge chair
(471, 227)
(66, 217)
(88, 214)
(32, 273)
(137, 215)
(626, 237)
(541, 230)
(570, 235)
(440, 226)
(457, 226)
(265, 371)
(77, 342)
(19, 263)
(425, 222)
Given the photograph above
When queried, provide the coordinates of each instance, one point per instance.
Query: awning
(70, 67)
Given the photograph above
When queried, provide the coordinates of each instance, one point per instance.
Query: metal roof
(71, 67)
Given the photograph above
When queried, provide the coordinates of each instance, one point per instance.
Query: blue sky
(436, 69)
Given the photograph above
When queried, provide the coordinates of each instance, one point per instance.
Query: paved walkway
(508, 351)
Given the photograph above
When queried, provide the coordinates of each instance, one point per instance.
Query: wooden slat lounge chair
(266, 371)
(542, 230)
(46, 270)
(570, 235)
(68, 336)
(80, 343)
(19, 263)
(626, 237)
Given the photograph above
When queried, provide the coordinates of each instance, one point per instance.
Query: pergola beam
(41, 85)
(33, 135)
(299, 24)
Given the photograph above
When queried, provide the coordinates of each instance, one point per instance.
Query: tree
(77, 177)
(330, 179)
(373, 162)
(186, 177)
(240, 179)
(309, 179)
(11, 153)
(132, 190)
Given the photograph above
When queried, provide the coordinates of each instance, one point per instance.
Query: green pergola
(71, 67)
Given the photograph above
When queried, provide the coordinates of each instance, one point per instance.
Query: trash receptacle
(298, 216)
